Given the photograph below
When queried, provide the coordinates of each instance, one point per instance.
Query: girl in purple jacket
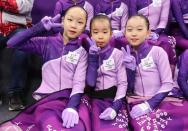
(150, 108)
(63, 75)
(106, 75)
(157, 11)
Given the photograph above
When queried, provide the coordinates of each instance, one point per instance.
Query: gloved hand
(70, 117)
(108, 114)
(49, 22)
(128, 60)
(140, 109)
(93, 50)
(83, 37)
(153, 36)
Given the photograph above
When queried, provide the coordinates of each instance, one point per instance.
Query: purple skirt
(120, 123)
(172, 115)
(45, 115)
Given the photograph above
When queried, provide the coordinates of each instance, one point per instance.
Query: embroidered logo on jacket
(109, 64)
(147, 63)
(72, 57)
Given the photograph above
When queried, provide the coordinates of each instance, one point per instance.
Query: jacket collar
(142, 51)
(105, 52)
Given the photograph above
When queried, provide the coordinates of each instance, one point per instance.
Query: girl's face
(74, 23)
(101, 32)
(136, 31)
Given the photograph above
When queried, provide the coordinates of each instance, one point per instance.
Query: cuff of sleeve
(116, 105)
(147, 104)
(74, 101)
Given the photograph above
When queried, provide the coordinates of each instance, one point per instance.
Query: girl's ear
(149, 32)
(62, 20)
(111, 33)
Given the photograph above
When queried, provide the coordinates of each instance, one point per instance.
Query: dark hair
(141, 16)
(100, 16)
(64, 12)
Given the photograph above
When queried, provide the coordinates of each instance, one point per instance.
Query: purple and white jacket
(65, 65)
(153, 73)
(157, 11)
(111, 71)
(180, 12)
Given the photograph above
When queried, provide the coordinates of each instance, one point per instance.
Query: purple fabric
(46, 114)
(159, 30)
(40, 9)
(130, 79)
(74, 101)
(119, 42)
(169, 116)
(176, 92)
(156, 100)
(161, 80)
(156, 11)
(50, 22)
(165, 42)
(168, 44)
(128, 59)
(25, 35)
(136, 5)
(181, 41)
(111, 72)
(120, 123)
(107, 6)
(105, 53)
(158, 21)
(179, 8)
(183, 74)
(117, 104)
(142, 51)
(116, 10)
(93, 65)
(94, 49)
(85, 41)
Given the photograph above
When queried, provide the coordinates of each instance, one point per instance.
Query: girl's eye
(69, 19)
(129, 30)
(80, 22)
(139, 29)
(95, 32)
